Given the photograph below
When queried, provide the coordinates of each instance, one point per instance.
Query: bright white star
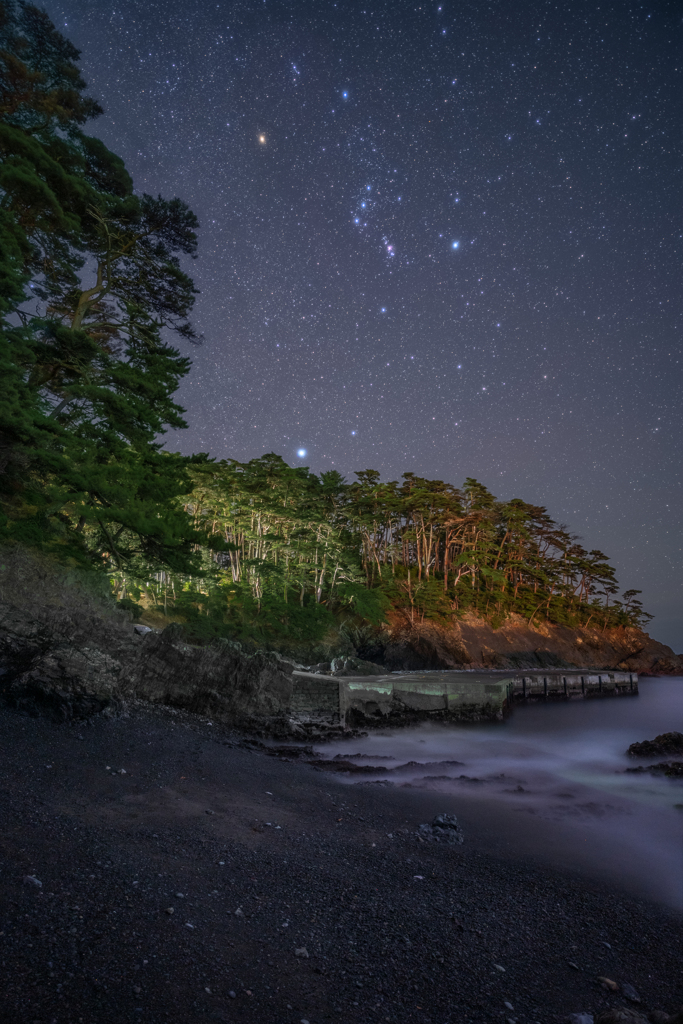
(301, 453)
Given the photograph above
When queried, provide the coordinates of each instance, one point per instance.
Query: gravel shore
(156, 869)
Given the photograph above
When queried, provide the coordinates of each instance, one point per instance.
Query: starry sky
(437, 237)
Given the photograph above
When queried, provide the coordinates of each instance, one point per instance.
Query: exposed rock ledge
(473, 643)
(65, 648)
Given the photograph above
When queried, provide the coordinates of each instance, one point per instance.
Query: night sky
(443, 238)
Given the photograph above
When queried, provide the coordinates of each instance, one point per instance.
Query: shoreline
(393, 930)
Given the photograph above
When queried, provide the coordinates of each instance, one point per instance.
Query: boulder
(356, 667)
(220, 681)
(444, 828)
(320, 668)
(666, 743)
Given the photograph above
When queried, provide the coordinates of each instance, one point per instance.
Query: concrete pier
(400, 698)
(459, 696)
(463, 696)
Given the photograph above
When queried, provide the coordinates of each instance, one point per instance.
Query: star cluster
(443, 238)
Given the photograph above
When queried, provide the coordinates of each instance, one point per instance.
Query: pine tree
(90, 286)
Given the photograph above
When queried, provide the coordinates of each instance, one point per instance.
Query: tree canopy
(289, 553)
(91, 285)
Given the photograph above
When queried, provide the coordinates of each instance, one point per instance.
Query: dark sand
(96, 945)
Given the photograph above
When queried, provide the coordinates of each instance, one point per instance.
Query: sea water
(550, 784)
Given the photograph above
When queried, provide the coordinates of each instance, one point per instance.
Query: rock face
(473, 643)
(63, 644)
(66, 650)
(666, 743)
(220, 681)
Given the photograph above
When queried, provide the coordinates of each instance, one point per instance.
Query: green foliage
(128, 605)
(89, 279)
(300, 562)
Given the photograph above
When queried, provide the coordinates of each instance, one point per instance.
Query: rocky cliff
(67, 650)
(472, 642)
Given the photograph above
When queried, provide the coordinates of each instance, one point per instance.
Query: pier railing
(567, 685)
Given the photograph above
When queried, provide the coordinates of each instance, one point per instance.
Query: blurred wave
(551, 783)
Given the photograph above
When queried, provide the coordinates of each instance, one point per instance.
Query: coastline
(381, 943)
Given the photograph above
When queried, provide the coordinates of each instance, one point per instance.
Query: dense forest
(289, 553)
(93, 290)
